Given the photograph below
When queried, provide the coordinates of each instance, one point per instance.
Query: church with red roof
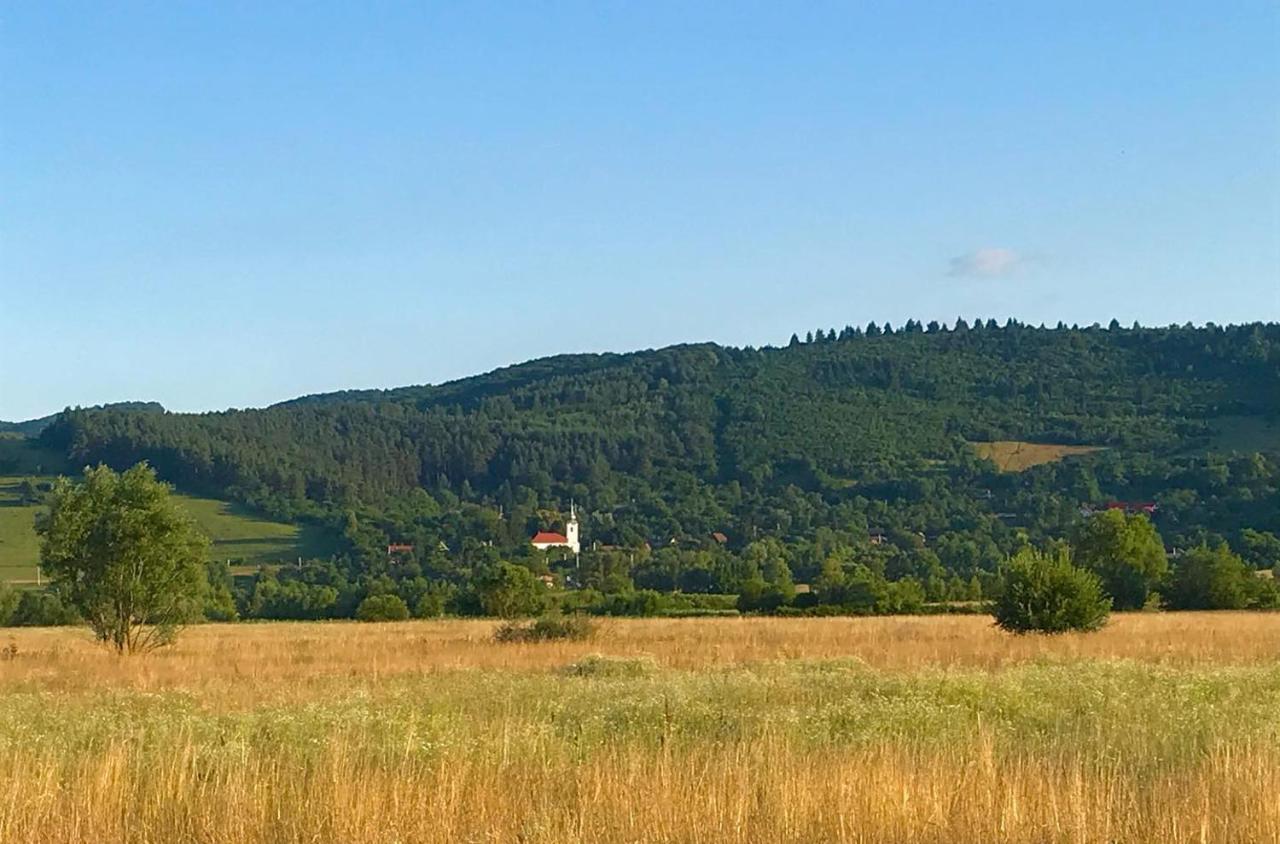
(544, 539)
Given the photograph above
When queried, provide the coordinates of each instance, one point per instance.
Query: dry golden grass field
(1162, 727)
(1015, 455)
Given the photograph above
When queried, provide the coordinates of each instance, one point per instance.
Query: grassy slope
(1015, 455)
(1245, 434)
(237, 535)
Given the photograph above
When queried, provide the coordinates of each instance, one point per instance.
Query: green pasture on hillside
(239, 536)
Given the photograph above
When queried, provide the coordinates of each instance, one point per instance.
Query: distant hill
(842, 430)
(34, 427)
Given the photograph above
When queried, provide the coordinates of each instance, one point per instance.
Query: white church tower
(543, 539)
(571, 530)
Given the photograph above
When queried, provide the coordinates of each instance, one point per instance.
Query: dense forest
(858, 442)
(34, 427)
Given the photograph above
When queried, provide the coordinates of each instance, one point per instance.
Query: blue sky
(222, 204)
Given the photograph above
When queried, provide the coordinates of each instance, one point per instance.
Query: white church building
(542, 540)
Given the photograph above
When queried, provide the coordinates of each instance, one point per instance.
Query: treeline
(836, 575)
(833, 575)
(859, 432)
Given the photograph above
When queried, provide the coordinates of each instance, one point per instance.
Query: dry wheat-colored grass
(760, 793)
(1160, 728)
(1017, 456)
(284, 657)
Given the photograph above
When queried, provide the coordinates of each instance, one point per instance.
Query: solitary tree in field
(121, 553)
(1045, 593)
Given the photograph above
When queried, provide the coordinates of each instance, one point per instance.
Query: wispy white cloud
(988, 262)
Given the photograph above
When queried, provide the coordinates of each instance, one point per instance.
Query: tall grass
(1159, 729)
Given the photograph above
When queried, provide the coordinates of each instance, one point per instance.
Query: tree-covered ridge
(34, 427)
(849, 431)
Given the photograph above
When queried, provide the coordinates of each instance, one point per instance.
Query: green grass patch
(1244, 434)
(1149, 716)
(19, 546)
(21, 455)
(246, 539)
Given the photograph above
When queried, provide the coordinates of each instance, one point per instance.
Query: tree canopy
(1212, 579)
(123, 556)
(1125, 551)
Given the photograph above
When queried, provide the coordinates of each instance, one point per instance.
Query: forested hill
(850, 430)
(34, 427)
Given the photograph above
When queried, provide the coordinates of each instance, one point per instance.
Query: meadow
(246, 539)
(929, 729)
(1016, 455)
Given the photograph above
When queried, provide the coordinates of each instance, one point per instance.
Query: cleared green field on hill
(22, 456)
(1245, 434)
(19, 547)
(238, 535)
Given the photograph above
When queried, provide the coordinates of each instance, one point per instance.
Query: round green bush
(382, 608)
(1047, 594)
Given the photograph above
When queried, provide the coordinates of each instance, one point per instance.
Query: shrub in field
(382, 608)
(546, 628)
(1047, 594)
